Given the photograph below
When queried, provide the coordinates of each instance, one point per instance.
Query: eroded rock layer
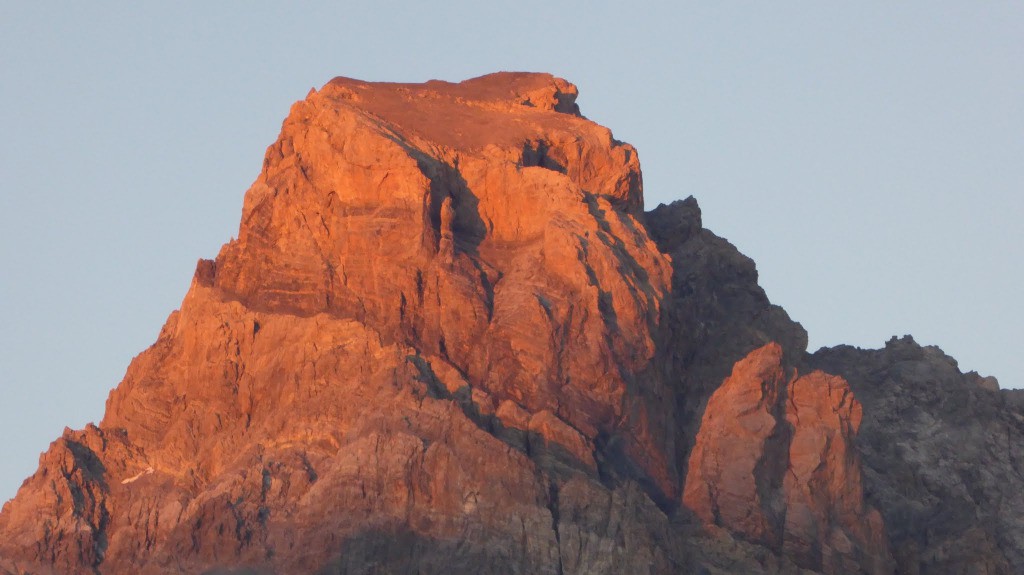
(449, 339)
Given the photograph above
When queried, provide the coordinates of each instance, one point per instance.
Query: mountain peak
(448, 339)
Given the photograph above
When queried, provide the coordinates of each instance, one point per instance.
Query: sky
(869, 156)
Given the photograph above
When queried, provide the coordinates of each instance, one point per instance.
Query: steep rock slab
(774, 463)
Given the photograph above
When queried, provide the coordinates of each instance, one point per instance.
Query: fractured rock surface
(775, 464)
(943, 455)
(449, 339)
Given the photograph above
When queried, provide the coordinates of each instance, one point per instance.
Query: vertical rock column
(774, 463)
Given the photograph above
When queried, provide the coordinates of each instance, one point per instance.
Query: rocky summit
(449, 339)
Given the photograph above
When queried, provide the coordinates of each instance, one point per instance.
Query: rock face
(943, 456)
(775, 464)
(449, 339)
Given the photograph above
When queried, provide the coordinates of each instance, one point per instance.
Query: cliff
(449, 339)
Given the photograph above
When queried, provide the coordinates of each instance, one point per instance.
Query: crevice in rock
(535, 154)
(771, 468)
(562, 462)
(555, 519)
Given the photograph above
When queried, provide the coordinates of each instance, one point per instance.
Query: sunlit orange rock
(437, 298)
(775, 463)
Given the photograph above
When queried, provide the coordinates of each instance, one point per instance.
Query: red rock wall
(775, 463)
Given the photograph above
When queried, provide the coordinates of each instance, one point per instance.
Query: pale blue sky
(869, 156)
